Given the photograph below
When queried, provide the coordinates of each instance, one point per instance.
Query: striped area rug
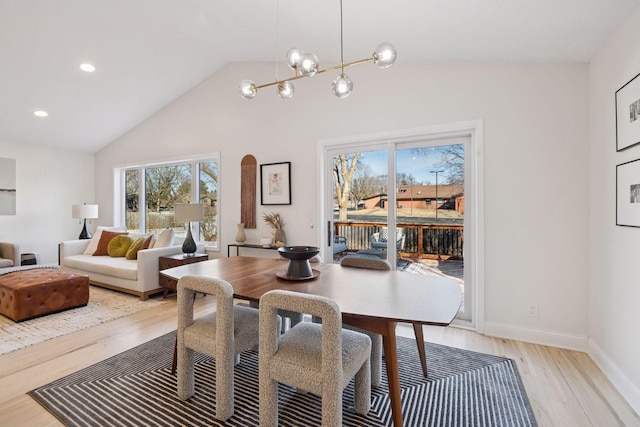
(136, 388)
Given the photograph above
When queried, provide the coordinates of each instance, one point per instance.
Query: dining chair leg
(174, 363)
(417, 330)
(175, 357)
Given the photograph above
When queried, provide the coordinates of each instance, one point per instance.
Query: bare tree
(405, 179)
(344, 168)
(450, 158)
(209, 169)
(167, 185)
(364, 184)
(209, 192)
(452, 161)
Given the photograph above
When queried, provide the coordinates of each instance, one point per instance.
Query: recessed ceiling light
(89, 68)
(40, 113)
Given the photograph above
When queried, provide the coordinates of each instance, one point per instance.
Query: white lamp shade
(84, 211)
(188, 212)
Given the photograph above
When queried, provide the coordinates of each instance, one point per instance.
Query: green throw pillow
(119, 245)
(132, 252)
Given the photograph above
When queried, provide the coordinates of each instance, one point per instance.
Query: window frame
(120, 203)
(474, 197)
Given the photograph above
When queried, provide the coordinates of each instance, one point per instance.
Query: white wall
(614, 287)
(48, 182)
(536, 164)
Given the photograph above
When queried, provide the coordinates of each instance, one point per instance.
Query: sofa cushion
(165, 239)
(105, 238)
(148, 242)
(132, 252)
(6, 262)
(93, 243)
(119, 245)
(116, 267)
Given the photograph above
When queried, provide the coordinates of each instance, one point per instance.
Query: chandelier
(306, 65)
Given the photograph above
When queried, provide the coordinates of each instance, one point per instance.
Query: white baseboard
(620, 381)
(536, 336)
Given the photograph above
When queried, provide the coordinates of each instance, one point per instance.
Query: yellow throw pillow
(119, 245)
(103, 244)
(132, 252)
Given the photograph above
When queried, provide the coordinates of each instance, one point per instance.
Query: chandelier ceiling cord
(306, 65)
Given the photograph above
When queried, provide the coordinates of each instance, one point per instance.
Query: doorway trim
(474, 201)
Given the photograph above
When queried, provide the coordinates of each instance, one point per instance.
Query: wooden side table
(170, 261)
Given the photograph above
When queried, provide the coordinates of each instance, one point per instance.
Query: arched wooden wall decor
(248, 178)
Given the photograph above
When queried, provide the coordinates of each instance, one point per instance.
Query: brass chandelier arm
(336, 67)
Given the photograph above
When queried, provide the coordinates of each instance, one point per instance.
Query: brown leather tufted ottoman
(31, 293)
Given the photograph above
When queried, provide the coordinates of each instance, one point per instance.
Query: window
(149, 193)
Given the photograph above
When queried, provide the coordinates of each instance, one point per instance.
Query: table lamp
(188, 212)
(84, 212)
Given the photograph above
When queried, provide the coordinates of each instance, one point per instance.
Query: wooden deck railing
(421, 240)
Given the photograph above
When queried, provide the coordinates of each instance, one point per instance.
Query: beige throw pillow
(165, 239)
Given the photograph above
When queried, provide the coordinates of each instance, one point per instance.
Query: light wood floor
(565, 387)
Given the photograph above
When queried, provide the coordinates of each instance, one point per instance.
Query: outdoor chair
(339, 245)
(223, 334)
(318, 358)
(379, 239)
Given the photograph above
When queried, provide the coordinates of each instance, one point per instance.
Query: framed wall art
(7, 186)
(628, 194)
(275, 183)
(628, 114)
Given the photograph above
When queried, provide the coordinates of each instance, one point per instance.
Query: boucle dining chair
(375, 263)
(294, 318)
(317, 358)
(223, 334)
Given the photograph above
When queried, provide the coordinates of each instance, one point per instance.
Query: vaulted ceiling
(148, 52)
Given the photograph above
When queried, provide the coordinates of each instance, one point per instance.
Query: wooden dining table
(373, 300)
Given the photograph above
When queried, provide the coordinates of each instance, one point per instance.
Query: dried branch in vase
(275, 221)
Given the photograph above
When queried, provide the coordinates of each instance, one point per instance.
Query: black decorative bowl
(299, 256)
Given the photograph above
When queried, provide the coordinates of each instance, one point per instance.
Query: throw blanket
(8, 270)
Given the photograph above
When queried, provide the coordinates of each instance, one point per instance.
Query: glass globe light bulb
(385, 55)
(342, 86)
(248, 89)
(308, 64)
(293, 57)
(286, 90)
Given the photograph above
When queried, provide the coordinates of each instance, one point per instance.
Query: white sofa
(137, 276)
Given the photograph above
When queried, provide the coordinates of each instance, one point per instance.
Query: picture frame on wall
(628, 114)
(628, 194)
(275, 183)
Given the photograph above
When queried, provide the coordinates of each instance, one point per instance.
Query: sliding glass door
(403, 201)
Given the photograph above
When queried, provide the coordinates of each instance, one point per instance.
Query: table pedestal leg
(386, 328)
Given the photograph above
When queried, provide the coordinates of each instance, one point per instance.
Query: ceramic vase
(240, 235)
(278, 236)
